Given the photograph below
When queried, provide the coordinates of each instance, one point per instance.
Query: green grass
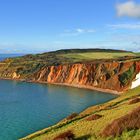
(81, 127)
(97, 55)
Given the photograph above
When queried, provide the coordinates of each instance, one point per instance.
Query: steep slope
(117, 76)
(117, 119)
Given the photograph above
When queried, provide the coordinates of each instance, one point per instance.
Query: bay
(28, 107)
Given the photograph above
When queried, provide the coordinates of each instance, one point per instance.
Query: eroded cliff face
(116, 76)
(113, 75)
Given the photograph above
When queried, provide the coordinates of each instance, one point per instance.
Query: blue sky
(30, 26)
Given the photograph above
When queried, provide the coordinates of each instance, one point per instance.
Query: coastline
(81, 87)
(109, 91)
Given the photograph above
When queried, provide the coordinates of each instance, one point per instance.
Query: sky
(32, 26)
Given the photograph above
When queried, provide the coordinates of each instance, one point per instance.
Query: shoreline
(109, 91)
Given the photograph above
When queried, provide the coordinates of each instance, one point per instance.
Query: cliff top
(75, 56)
(31, 63)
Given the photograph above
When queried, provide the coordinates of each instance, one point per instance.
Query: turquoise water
(28, 107)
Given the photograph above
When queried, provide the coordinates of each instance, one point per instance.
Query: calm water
(28, 107)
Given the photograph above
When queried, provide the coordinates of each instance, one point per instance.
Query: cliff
(115, 74)
(110, 75)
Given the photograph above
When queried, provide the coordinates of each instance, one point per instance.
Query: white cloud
(129, 9)
(85, 30)
(77, 32)
(125, 26)
(80, 30)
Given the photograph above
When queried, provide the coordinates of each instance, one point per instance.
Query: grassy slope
(97, 55)
(62, 57)
(81, 127)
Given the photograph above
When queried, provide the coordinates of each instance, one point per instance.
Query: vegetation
(135, 100)
(129, 121)
(29, 64)
(106, 113)
(93, 117)
(73, 115)
(97, 55)
(127, 76)
(65, 136)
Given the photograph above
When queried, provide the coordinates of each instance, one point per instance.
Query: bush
(65, 136)
(127, 76)
(93, 117)
(133, 101)
(73, 115)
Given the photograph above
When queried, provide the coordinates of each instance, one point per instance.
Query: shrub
(133, 101)
(65, 136)
(93, 117)
(127, 76)
(73, 115)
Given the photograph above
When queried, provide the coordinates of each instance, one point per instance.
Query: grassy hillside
(71, 56)
(91, 123)
(76, 55)
(97, 55)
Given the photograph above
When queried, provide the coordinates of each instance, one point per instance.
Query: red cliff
(116, 76)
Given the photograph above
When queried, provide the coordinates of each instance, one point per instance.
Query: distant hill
(87, 50)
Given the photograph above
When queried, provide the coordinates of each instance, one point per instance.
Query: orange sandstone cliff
(117, 76)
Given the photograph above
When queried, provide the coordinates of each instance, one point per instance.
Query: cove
(29, 107)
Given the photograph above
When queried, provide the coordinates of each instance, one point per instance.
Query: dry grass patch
(133, 101)
(93, 117)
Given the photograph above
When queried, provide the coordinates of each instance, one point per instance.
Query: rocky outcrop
(16, 76)
(116, 76)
